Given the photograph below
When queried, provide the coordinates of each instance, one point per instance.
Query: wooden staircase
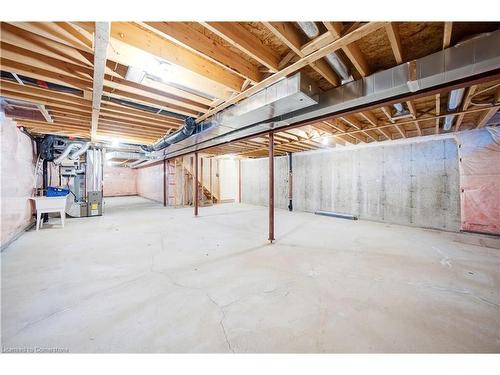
(207, 197)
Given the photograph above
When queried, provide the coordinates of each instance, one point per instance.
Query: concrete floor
(144, 278)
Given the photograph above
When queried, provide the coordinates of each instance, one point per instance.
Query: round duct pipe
(309, 28)
(333, 59)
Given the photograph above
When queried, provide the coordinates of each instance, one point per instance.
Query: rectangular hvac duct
(122, 155)
(285, 96)
(479, 56)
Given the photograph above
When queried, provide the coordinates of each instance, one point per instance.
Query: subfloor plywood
(143, 278)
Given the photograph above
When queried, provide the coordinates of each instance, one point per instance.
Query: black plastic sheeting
(40, 83)
(143, 107)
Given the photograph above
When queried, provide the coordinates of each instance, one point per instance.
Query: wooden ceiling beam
(61, 115)
(40, 60)
(339, 43)
(411, 108)
(372, 120)
(393, 34)
(317, 43)
(239, 37)
(438, 112)
(150, 42)
(51, 125)
(289, 35)
(30, 41)
(128, 111)
(113, 83)
(78, 33)
(160, 128)
(119, 116)
(465, 105)
(352, 50)
(44, 74)
(43, 93)
(41, 100)
(189, 37)
(486, 116)
(130, 129)
(59, 32)
(140, 121)
(141, 99)
(132, 138)
(387, 112)
(448, 28)
(352, 121)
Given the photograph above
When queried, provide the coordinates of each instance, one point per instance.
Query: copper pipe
(271, 187)
(195, 184)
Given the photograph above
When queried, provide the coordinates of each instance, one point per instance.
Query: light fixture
(159, 70)
(324, 141)
(150, 67)
(115, 143)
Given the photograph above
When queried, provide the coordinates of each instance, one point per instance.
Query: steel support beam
(271, 187)
(164, 182)
(195, 184)
(239, 180)
(290, 182)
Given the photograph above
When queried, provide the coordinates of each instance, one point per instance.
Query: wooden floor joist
(78, 84)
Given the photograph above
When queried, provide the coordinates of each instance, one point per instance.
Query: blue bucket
(56, 192)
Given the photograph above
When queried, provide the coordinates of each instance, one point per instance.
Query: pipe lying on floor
(336, 214)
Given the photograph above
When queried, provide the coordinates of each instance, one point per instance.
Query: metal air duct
(454, 100)
(69, 148)
(456, 96)
(309, 28)
(333, 59)
(478, 58)
(400, 111)
(75, 155)
(285, 96)
(340, 68)
(124, 155)
(181, 134)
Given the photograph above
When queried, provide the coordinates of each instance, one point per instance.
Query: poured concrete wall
(119, 181)
(409, 183)
(17, 181)
(150, 182)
